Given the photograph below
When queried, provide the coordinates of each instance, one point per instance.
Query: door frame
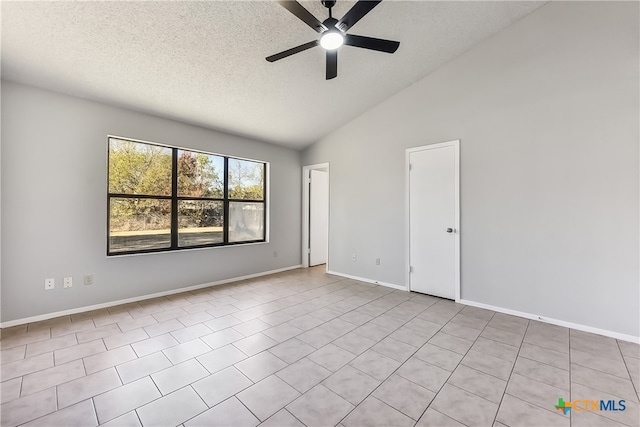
(306, 170)
(456, 145)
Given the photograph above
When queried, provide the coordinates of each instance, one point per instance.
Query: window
(167, 198)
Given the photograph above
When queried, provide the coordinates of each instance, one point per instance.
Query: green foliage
(246, 180)
(198, 176)
(143, 169)
(200, 213)
(136, 168)
(140, 214)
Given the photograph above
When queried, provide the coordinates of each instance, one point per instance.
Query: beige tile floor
(307, 348)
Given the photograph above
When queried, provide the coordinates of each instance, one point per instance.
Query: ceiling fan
(334, 32)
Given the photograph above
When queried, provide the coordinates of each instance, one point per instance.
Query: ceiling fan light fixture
(331, 40)
(334, 33)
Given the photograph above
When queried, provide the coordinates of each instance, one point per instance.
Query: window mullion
(225, 222)
(264, 202)
(174, 198)
(138, 196)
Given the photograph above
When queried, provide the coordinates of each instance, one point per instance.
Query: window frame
(174, 198)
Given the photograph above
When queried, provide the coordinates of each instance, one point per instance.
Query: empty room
(320, 213)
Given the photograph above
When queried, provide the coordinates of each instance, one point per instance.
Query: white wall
(547, 112)
(54, 205)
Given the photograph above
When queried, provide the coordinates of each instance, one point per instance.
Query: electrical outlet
(67, 282)
(354, 257)
(275, 254)
(377, 261)
(49, 284)
(88, 279)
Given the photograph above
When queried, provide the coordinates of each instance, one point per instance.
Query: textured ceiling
(204, 62)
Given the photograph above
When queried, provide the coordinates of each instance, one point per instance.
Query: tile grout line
(540, 380)
(135, 411)
(504, 393)
(245, 406)
(288, 412)
(540, 362)
(570, 382)
(624, 360)
(542, 345)
(95, 411)
(22, 384)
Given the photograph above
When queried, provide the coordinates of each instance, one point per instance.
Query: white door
(433, 220)
(318, 217)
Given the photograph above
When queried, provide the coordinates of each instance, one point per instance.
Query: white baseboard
(139, 298)
(362, 279)
(584, 328)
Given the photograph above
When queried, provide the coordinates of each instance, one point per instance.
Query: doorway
(433, 177)
(315, 215)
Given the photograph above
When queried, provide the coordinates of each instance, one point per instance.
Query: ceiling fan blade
(303, 14)
(356, 13)
(332, 64)
(380, 45)
(292, 51)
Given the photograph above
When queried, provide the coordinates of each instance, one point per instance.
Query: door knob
(449, 230)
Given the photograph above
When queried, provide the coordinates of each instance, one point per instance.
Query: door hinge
(410, 269)
(410, 166)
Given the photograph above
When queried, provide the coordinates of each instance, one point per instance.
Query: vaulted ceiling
(204, 62)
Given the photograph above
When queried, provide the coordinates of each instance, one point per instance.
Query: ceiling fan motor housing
(328, 3)
(330, 23)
